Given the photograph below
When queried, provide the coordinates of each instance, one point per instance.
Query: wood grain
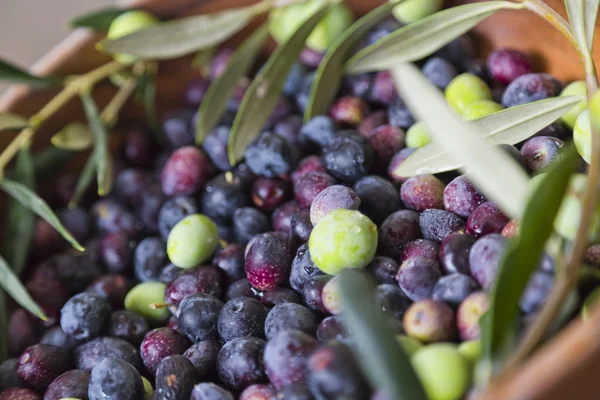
(566, 368)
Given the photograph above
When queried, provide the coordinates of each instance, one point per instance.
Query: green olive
(582, 135)
(418, 135)
(567, 220)
(126, 24)
(409, 344)
(466, 89)
(284, 22)
(480, 109)
(343, 239)
(443, 371)
(470, 350)
(414, 10)
(574, 88)
(148, 299)
(192, 241)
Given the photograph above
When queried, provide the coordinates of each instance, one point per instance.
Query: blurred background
(29, 28)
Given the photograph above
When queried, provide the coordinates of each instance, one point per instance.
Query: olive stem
(567, 277)
(554, 18)
(74, 86)
(111, 111)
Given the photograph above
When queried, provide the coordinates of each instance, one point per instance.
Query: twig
(73, 87)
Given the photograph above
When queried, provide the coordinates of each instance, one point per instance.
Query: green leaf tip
(383, 360)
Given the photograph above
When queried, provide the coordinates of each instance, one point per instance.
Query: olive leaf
(101, 152)
(328, 76)
(510, 126)
(98, 20)
(523, 256)
(20, 221)
(14, 74)
(183, 36)
(490, 169)
(13, 286)
(582, 16)
(221, 89)
(148, 90)
(29, 199)
(85, 180)
(50, 160)
(263, 93)
(10, 122)
(75, 136)
(383, 360)
(419, 39)
(3, 327)
(202, 60)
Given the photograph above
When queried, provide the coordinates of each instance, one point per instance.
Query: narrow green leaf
(203, 59)
(85, 180)
(510, 126)
(590, 14)
(183, 36)
(20, 221)
(523, 255)
(51, 160)
(14, 74)
(382, 359)
(263, 93)
(221, 89)
(98, 20)
(582, 16)
(32, 201)
(490, 169)
(148, 89)
(75, 136)
(101, 152)
(9, 122)
(419, 39)
(328, 76)
(12, 285)
(3, 327)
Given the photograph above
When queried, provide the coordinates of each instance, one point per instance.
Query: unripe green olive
(284, 22)
(443, 371)
(582, 136)
(568, 218)
(126, 24)
(414, 10)
(143, 296)
(466, 89)
(418, 135)
(572, 89)
(409, 344)
(470, 350)
(343, 239)
(192, 241)
(479, 109)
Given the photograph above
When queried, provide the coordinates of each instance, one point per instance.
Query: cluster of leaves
(485, 164)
